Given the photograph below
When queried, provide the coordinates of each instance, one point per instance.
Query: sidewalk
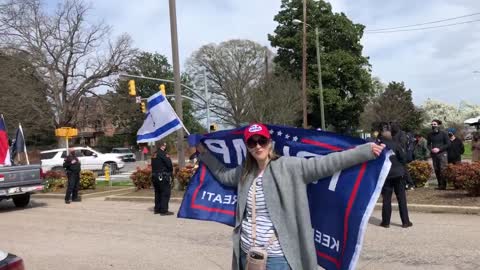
(424, 208)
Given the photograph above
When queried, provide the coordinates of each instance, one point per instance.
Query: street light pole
(176, 75)
(320, 85)
(304, 65)
(207, 98)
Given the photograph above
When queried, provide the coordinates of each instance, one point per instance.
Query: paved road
(97, 234)
(124, 173)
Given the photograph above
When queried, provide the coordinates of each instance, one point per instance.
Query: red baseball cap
(256, 129)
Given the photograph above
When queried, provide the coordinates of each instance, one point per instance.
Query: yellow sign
(66, 132)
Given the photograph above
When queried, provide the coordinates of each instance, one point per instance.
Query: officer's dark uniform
(162, 169)
(72, 166)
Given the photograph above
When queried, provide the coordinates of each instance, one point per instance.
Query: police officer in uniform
(162, 170)
(72, 167)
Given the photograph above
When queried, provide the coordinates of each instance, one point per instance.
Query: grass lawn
(468, 150)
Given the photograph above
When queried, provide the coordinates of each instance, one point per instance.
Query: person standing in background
(476, 147)
(456, 149)
(438, 143)
(162, 170)
(72, 167)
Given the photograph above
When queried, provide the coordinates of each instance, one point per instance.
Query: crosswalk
(115, 177)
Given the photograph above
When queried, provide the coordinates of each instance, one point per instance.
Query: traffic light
(143, 107)
(162, 89)
(131, 88)
(213, 127)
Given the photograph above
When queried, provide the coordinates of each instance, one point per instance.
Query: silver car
(126, 153)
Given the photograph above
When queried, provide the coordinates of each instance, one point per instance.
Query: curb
(437, 209)
(84, 196)
(107, 193)
(138, 199)
(423, 208)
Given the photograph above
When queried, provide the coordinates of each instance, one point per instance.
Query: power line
(423, 28)
(426, 23)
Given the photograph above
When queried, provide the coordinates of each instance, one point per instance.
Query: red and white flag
(4, 147)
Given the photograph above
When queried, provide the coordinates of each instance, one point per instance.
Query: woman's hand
(377, 148)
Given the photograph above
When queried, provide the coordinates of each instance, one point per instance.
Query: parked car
(10, 262)
(89, 158)
(18, 182)
(127, 154)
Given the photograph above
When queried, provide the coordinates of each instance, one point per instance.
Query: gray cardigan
(284, 185)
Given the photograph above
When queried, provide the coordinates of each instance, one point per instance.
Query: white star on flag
(279, 133)
(271, 131)
(287, 136)
(295, 138)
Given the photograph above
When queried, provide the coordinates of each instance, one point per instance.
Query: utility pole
(320, 85)
(207, 98)
(304, 65)
(176, 75)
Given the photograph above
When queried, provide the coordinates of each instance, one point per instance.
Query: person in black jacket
(162, 170)
(401, 138)
(456, 149)
(72, 167)
(394, 183)
(438, 143)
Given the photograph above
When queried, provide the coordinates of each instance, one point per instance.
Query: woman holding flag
(272, 226)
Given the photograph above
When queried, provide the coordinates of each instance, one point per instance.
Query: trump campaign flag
(340, 205)
(160, 120)
(4, 149)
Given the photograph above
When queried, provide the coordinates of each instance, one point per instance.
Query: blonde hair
(251, 164)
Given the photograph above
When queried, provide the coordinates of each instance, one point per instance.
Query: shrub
(87, 180)
(465, 175)
(420, 171)
(54, 180)
(142, 177)
(183, 175)
(472, 183)
(455, 174)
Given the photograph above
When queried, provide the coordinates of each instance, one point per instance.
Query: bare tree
(233, 69)
(277, 100)
(72, 56)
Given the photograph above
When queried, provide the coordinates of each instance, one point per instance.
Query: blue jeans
(273, 263)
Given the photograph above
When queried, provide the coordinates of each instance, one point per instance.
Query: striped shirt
(265, 229)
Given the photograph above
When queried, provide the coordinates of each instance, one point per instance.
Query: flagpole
(181, 122)
(24, 144)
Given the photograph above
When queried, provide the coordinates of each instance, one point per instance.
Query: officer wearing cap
(162, 169)
(72, 167)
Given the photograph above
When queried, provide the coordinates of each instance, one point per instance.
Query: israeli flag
(160, 121)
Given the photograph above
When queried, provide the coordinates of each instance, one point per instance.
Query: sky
(434, 63)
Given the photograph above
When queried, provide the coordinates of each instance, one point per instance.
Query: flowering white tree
(449, 114)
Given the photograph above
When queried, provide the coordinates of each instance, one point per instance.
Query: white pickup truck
(89, 158)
